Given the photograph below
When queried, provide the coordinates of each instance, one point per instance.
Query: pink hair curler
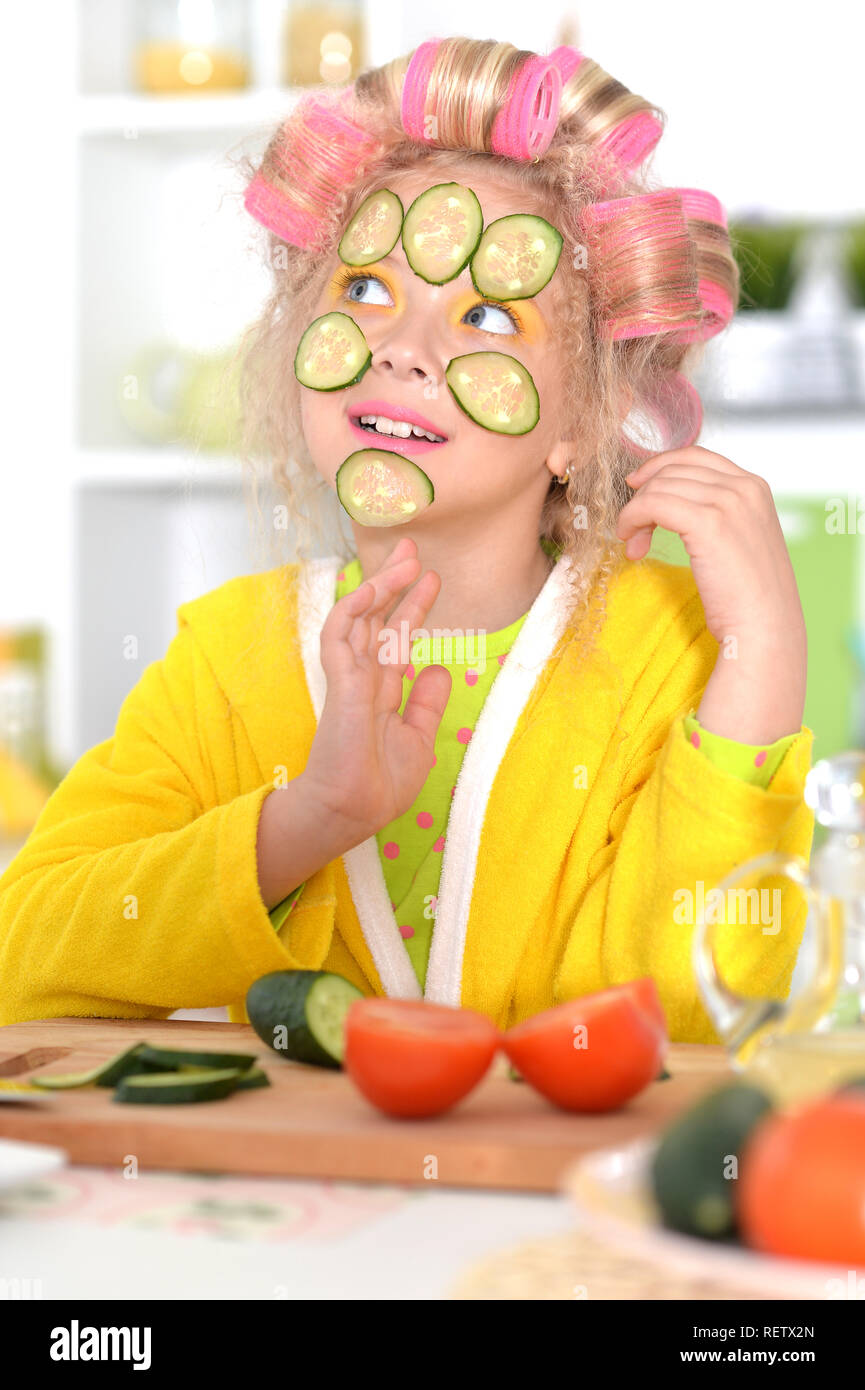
(669, 415)
(526, 123)
(567, 60)
(315, 154)
(414, 90)
(714, 298)
(632, 141)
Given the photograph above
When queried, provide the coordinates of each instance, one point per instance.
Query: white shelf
(125, 115)
(156, 468)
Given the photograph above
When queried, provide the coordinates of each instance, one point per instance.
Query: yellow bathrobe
(582, 820)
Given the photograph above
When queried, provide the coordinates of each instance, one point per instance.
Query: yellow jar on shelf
(184, 47)
(323, 43)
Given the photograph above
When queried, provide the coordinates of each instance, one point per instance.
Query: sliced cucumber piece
(378, 487)
(252, 1079)
(178, 1087)
(494, 390)
(169, 1058)
(441, 231)
(516, 256)
(109, 1073)
(301, 1014)
(332, 353)
(374, 230)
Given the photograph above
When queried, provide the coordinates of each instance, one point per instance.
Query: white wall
(764, 100)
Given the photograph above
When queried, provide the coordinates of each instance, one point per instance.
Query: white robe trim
(498, 718)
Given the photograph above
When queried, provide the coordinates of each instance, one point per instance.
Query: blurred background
(130, 270)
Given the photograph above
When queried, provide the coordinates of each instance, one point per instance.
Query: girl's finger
(698, 490)
(694, 455)
(668, 509)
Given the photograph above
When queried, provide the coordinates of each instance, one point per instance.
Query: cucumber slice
(301, 1014)
(126, 1063)
(252, 1079)
(178, 1087)
(516, 256)
(378, 487)
(332, 353)
(374, 230)
(441, 231)
(170, 1058)
(495, 391)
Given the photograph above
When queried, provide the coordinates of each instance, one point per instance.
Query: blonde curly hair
(640, 279)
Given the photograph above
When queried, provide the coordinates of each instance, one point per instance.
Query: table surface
(100, 1233)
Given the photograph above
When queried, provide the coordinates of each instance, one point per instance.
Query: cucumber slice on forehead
(332, 353)
(374, 230)
(495, 391)
(516, 256)
(441, 231)
(378, 487)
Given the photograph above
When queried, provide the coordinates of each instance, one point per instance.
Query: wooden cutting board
(312, 1122)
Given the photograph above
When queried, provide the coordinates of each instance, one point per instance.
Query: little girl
(489, 753)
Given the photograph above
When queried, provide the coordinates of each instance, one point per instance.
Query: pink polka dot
(391, 849)
(501, 659)
(341, 574)
(463, 735)
(439, 844)
(453, 789)
(410, 671)
(406, 932)
(760, 758)
(471, 677)
(424, 820)
(695, 739)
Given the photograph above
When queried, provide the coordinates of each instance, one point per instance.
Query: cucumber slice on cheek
(494, 390)
(380, 488)
(374, 230)
(332, 353)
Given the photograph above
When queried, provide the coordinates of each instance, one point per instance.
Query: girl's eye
(357, 284)
(502, 321)
(489, 318)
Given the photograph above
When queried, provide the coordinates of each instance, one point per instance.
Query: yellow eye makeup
(344, 278)
(527, 321)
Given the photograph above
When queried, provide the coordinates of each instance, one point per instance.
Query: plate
(21, 1162)
(612, 1193)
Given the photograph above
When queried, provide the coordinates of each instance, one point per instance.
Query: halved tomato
(801, 1187)
(646, 991)
(594, 1053)
(415, 1059)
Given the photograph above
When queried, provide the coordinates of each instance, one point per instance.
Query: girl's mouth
(401, 443)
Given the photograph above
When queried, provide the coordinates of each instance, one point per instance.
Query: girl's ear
(563, 452)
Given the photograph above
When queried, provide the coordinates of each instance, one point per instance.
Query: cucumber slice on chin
(494, 390)
(441, 231)
(378, 487)
(516, 256)
(332, 353)
(374, 230)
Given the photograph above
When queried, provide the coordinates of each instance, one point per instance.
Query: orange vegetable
(411, 1058)
(801, 1187)
(593, 1053)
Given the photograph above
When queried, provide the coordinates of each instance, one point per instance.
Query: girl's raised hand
(727, 520)
(368, 762)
